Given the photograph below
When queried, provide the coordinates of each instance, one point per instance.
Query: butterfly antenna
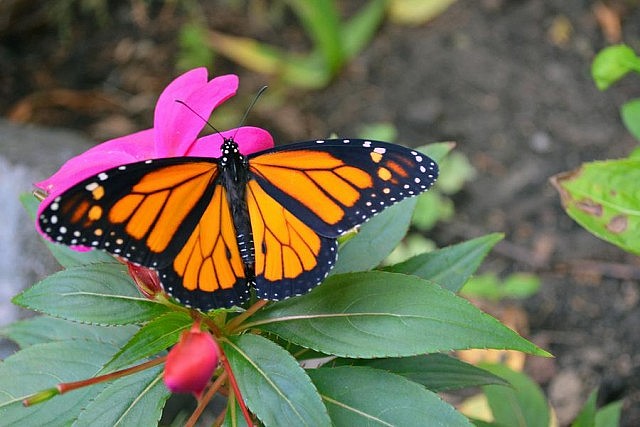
(181, 102)
(246, 113)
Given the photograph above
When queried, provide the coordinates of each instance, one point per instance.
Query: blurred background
(507, 80)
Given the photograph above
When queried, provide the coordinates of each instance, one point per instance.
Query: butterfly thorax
(234, 175)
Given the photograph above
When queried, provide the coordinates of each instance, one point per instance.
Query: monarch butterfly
(214, 228)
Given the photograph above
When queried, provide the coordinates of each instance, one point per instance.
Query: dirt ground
(507, 79)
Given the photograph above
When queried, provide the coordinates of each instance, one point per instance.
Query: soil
(508, 80)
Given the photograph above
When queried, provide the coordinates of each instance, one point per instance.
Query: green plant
(334, 42)
(602, 196)
(523, 400)
(433, 206)
(371, 323)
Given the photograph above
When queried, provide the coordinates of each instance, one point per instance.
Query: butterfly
(214, 228)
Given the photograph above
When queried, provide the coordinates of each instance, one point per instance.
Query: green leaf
(273, 384)
(631, 117)
(358, 32)
(63, 254)
(432, 207)
(609, 415)
(100, 294)
(357, 396)
(321, 21)
(194, 51)
(489, 286)
(603, 198)
(152, 338)
(43, 366)
(381, 131)
(380, 314)
(438, 151)
(234, 416)
(523, 401)
(612, 63)
(376, 239)
(452, 266)
(455, 171)
(42, 329)
(413, 245)
(416, 12)
(308, 71)
(437, 372)
(134, 400)
(587, 415)
(635, 153)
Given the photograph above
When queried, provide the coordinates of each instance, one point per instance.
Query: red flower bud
(191, 362)
(146, 280)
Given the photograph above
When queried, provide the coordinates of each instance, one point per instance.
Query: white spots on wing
(102, 176)
(92, 186)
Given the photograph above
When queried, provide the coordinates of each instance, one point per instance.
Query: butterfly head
(232, 161)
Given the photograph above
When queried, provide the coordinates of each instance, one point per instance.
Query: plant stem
(236, 389)
(237, 321)
(65, 387)
(204, 400)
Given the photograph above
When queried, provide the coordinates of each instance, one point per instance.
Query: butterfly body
(214, 228)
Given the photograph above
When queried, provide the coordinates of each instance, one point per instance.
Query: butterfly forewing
(334, 185)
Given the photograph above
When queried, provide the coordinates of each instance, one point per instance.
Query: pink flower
(191, 362)
(175, 133)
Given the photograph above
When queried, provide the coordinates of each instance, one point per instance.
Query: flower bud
(146, 280)
(191, 362)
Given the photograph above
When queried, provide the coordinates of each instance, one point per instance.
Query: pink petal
(127, 149)
(250, 140)
(176, 125)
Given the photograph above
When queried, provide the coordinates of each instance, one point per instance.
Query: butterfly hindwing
(208, 271)
(334, 185)
(290, 257)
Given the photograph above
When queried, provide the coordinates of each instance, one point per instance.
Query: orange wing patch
(321, 182)
(284, 246)
(160, 201)
(210, 260)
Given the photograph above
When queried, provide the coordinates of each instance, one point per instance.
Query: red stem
(237, 321)
(65, 387)
(236, 389)
(204, 400)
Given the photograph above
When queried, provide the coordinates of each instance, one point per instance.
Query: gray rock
(28, 154)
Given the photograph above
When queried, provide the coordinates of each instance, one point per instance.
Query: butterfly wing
(208, 271)
(334, 185)
(325, 187)
(155, 213)
(290, 258)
